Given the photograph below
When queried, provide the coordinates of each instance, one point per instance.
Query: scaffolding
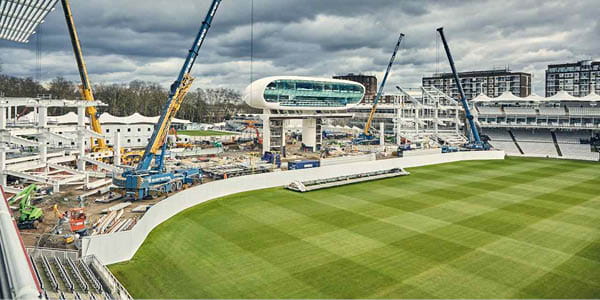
(28, 148)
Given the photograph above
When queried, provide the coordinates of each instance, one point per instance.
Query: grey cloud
(147, 40)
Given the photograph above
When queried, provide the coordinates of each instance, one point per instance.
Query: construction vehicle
(173, 132)
(29, 215)
(367, 137)
(475, 142)
(76, 218)
(148, 179)
(131, 157)
(96, 144)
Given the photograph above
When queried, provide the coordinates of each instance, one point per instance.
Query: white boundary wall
(121, 246)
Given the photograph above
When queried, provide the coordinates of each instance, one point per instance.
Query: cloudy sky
(125, 40)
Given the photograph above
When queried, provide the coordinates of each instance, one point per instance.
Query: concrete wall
(121, 246)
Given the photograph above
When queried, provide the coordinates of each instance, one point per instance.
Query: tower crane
(475, 141)
(149, 179)
(85, 87)
(366, 136)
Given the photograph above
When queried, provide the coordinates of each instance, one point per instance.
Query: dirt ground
(67, 198)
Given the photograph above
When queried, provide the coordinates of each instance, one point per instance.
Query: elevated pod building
(310, 99)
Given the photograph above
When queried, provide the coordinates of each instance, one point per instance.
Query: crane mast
(380, 91)
(86, 87)
(463, 99)
(177, 93)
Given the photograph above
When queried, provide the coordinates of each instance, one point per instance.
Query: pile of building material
(237, 169)
(113, 221)
(311, 185)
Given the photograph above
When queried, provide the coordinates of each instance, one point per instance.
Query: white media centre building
(310, 99)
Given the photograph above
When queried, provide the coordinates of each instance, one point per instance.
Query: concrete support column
(283, 150)
(2, 165)
(309, 133)
(43, 150)
(417, 119)
(457, 120)
(436, 118)
(2, 117)
(117, 149)
(382, 134)
(43, 116)
(81, 137)
(266, 132)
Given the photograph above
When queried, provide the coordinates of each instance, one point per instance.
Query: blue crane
(366, 136)
(148, 179)
(475, 141)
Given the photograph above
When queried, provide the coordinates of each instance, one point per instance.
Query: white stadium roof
(20, 18)
(560, 96)
(105, 118)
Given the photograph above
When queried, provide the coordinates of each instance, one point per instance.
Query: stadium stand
(552, 111)
(510, 110)
(583, 110)
(63, 275)
(558, 126)
(490, 110)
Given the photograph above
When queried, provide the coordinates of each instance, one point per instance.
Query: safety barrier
(121, 246)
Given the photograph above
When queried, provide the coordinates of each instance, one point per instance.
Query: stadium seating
(508, 147)
(520, 110)
(535, 143)
(490, 110)
(583, 111)
(552, 111)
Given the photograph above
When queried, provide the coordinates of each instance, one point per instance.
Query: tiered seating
(584, 111)
(571, 147)
(539, 135)
(536, 143)
(520, 110)
(538, 149)
(552, 111)
(497, 134)
(508, 147)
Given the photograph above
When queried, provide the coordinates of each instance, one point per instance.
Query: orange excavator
(76, 217)
(173, 132)
(250, 124)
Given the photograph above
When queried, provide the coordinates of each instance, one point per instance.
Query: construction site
(73, 180)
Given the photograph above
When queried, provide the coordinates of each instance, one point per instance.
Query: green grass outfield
(518, 228)
(203, 132)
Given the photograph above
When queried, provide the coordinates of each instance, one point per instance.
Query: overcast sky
(148, 40)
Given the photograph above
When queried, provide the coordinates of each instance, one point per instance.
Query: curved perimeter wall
(121, 246)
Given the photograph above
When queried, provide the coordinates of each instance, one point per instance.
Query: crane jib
(179, 88)
(380, 91)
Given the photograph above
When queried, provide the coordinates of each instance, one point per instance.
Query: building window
(118, 129)
(139, 129)
(139, 140)
(129, 140)
(128, 129)
(107, 130)
(148, 129)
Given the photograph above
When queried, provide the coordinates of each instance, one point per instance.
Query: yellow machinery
(97, 145)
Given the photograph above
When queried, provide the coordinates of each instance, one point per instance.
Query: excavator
(29, 215)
